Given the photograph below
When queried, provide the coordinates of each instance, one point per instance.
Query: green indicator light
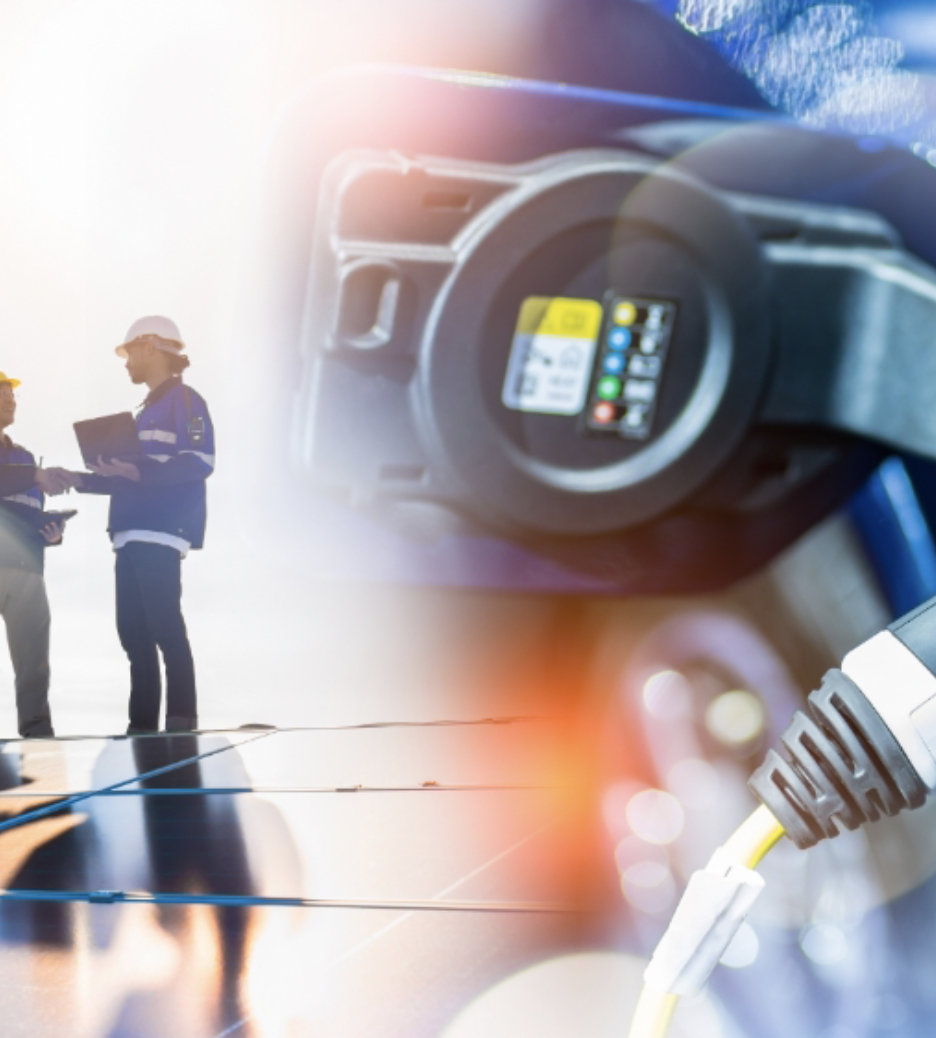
(609, 388)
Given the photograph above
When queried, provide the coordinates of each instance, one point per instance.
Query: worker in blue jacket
(157, 514)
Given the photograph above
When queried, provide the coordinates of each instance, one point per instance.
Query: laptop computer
(110, 436)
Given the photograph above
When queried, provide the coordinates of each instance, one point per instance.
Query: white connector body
(902, 690)
(715, 904)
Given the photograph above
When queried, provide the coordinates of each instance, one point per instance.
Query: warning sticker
(551, 356)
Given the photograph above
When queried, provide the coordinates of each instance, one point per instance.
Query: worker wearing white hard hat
(157, 514)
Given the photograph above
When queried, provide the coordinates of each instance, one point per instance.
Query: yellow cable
(747, 846)
(753, 838)
(653, 1014)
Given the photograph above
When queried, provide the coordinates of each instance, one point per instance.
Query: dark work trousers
(149, 616)
(25, 609)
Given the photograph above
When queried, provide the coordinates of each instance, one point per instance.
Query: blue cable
(892, 525)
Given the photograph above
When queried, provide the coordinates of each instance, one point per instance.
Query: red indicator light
(603, 413)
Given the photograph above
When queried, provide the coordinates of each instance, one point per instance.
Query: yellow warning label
(559, 315)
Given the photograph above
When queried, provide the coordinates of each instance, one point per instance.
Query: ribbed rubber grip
(843, 767)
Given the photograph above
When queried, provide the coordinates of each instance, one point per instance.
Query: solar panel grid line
(508, 719)
(434, 788)
(432, 905)
(397, 758)
(77, 798)
(259, 901)
(484, 866)
(259, 729)
(179, 827)
(232, 1029)
(330, 768)
(244, 729)
(201, 790)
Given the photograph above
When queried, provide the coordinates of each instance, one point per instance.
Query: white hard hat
(161, 327)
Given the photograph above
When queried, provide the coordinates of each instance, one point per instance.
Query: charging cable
(715, 904)
(864, 747)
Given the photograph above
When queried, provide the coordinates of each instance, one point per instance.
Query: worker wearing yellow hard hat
(26, 529)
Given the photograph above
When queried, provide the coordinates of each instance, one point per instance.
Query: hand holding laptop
(116, 467)
(109, 446)
(110, 438)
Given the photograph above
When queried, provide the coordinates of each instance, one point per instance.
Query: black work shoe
(181, 724)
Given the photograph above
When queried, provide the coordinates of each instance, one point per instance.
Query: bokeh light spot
(824, 944)
(743, 949)
(735, 718)
(649, 887)
(656, 816)
(667, 696)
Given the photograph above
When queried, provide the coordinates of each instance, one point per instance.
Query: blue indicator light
(614, 363)
(619, 338)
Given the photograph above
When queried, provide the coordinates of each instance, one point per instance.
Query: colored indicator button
(625, 313)
(656, 315)
(639, 391)
(635, 417)
(613, 363)
(619, 338)
(603, 412)
(609, 387)
(649, 342)
(644, 367)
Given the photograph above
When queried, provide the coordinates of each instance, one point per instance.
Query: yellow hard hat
(12, 382)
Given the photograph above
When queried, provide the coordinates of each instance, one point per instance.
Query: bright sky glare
(133, 141)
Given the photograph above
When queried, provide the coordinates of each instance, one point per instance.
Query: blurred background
(141, 146)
